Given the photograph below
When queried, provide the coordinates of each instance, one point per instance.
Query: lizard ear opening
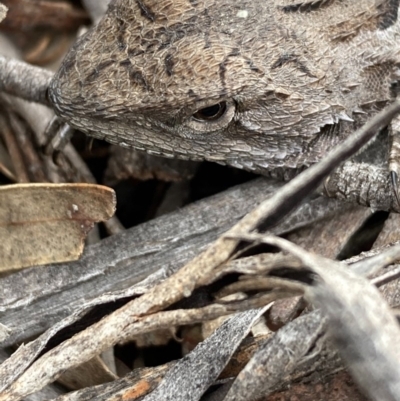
(213, 117)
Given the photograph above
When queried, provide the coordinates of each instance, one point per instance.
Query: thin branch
(24, 80)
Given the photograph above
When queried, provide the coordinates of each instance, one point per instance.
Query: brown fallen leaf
(47, 223)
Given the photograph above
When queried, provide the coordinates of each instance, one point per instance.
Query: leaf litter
(357, 319)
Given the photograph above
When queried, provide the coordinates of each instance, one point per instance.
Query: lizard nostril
(211, 113)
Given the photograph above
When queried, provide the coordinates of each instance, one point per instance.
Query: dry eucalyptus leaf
(47, 223)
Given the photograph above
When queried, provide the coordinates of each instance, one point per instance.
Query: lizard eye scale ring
(210, 113)
(211, 118)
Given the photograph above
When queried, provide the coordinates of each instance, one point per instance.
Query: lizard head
(234, 82)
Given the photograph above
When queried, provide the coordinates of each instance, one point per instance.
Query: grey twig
(24, 80)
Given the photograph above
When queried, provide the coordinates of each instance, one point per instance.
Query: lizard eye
(212, 118)
(211, 113)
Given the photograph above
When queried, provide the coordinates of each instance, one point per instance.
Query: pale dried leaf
(47, 223)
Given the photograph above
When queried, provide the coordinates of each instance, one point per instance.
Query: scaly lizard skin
(256, 84)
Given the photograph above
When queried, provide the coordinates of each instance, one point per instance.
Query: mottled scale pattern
(297, 76)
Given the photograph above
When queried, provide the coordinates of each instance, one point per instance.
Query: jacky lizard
(255, 84)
